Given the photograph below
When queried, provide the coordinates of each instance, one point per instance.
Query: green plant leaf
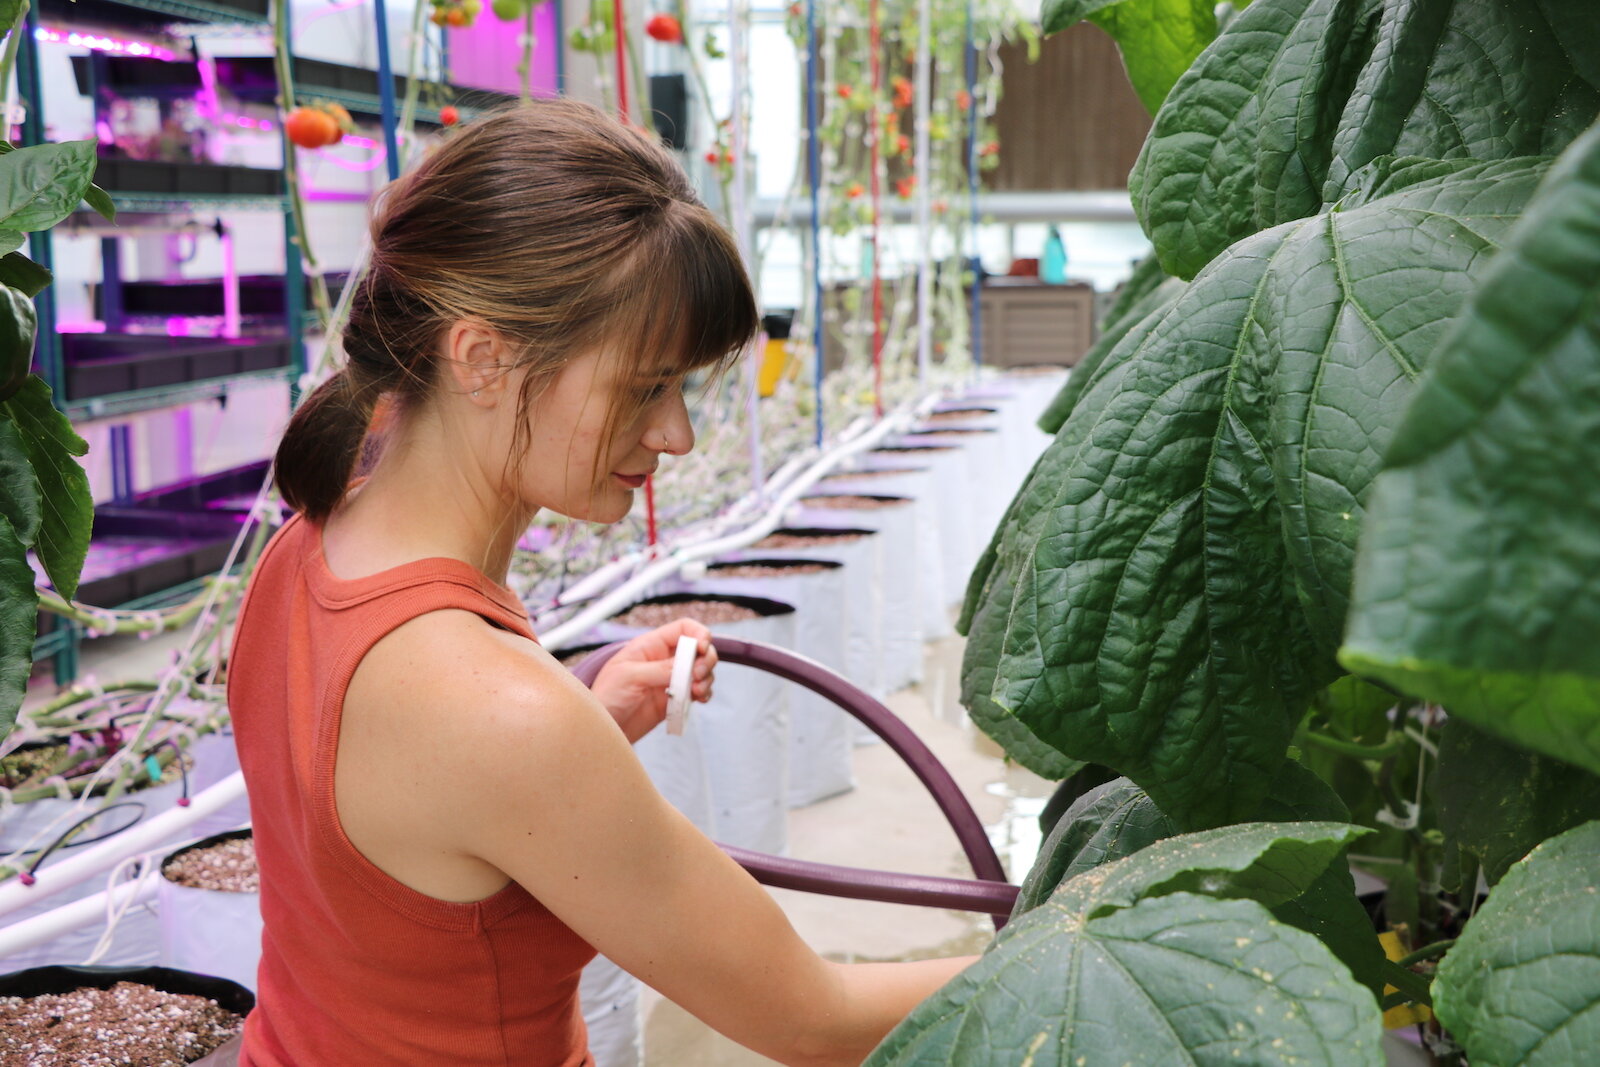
(11, 240)
(1474, 583)
(23, 274)
(1297, 96)
(20, 501)
(1268, 862)
(1142, 317)
(19, 606)
(42, 184)
(52, 448)
(1521, 987)
(1176, 979)
(1497, 801)
(98, 199)
(1357, 710)
(1158, 38)
(1115, 820)
(1169, 609)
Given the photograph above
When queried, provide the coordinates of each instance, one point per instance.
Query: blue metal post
(814, 175)
(391, 140)
(294, 274)
(972, 192)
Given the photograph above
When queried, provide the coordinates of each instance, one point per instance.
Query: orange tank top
(358, 969)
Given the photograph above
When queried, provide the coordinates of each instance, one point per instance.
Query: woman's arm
(549, 792)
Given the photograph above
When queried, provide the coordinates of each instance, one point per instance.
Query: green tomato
(17, 327)
(508, 10)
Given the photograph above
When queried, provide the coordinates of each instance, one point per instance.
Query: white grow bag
(855, 547)
(137, 939)
(917, 483)
(743, 730)
(988, 492)
(819, 731)
(209, 931)
(900, 643)
(947, 466)
(608, 996)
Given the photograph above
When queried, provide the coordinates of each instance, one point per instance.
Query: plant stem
(1391, 747)
(8, 60)
(408, 110)
(1427, 952)
(1413, 985)
(525, 66)
(291, 170)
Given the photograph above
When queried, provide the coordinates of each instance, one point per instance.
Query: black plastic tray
(259, 294)
(105, 364)
(144, 177)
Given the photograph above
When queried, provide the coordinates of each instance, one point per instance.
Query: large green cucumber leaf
(52, 448)
(1497, 801)
(1473, 79)
(1296, 96)
(1521, 987)
(1119, 819)
(1244, 138)
(1168, 610)
(1140, 316)
(1476, 581)
(1268, 862)
(1127, 963)
(1158, 38)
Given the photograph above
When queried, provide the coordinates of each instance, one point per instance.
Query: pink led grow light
(94, 42)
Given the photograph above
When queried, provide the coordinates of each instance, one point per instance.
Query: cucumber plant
(1314, 546)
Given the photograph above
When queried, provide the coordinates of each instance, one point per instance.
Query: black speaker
(669, 105)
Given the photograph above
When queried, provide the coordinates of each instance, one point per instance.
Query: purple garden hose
(990, 893)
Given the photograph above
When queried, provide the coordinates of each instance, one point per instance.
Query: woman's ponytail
(318, 453)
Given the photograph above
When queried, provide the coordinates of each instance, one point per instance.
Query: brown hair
(557, 226)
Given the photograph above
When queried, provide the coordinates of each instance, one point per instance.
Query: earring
(475, 392)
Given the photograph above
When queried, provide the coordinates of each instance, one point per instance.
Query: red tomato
(712, 156)
(309, 127)
(844, 92)
(664, 28)
(963, 99)
(448, 115)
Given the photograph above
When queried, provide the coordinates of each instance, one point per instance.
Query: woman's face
(578, 466)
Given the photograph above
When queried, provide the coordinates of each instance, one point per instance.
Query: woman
(449, 825)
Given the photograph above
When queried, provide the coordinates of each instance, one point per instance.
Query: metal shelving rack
(62, 643)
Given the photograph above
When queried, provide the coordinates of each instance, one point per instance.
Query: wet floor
(887, 822)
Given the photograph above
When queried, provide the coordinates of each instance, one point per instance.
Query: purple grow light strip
(94, 42)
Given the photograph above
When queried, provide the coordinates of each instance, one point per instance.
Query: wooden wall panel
(1070, 120)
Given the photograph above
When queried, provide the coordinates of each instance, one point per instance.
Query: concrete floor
(887, 822)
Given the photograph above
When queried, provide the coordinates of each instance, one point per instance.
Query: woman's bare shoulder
(452, 670)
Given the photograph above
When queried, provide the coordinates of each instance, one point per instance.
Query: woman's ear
(475, 361)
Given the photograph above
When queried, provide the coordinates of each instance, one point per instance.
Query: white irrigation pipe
(41, 929)
(142, 837)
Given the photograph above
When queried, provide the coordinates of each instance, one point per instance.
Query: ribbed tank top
(358, 969)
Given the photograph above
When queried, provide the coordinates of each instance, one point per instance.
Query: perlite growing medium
(784, 540)
(709, 612)
(758, 571)
(228, 866)
(128, 1025)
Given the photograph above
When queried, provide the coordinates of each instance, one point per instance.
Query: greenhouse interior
(452, 457)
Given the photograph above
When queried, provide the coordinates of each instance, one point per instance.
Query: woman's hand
(633, 683)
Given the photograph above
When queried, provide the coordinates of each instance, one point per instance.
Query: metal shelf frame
(62, 644)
